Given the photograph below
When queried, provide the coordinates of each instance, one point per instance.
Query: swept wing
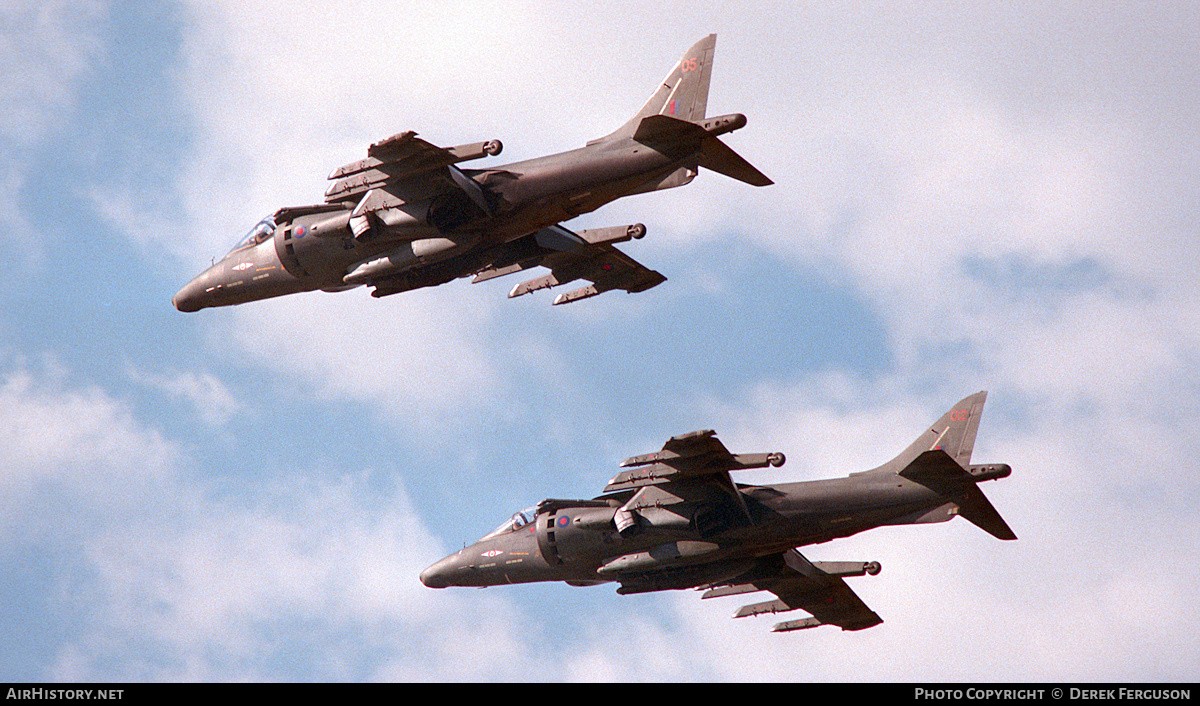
(402, 174)
(588, 254)
(399, 158)
(692, 455)
(802, 585)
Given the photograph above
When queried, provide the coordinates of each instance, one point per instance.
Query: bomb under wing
(408, 216)
(675, 519)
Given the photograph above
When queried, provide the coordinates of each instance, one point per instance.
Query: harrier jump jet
(407, 216)
(675, 519)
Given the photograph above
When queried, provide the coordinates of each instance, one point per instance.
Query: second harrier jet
(407, 217)
(675, 519)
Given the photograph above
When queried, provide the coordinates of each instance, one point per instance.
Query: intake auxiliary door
(547, 536)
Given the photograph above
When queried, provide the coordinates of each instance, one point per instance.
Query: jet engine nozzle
(626, 521)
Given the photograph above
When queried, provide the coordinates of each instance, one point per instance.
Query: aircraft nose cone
(186, 299)
(439, 575)
(198, 293)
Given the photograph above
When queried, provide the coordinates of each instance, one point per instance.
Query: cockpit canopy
(517, 521)
(261, 231)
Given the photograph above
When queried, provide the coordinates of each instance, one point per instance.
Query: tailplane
(717, 156)
(674, 120)
(940, 459)
(937, 471)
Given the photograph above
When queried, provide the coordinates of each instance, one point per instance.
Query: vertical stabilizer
(939, 460)
(953, 433)
(683, 94)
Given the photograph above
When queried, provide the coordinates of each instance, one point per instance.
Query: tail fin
(953, 433)
(939, 459)
(683, 94)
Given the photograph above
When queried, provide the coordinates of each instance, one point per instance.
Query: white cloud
(417, 358)
(211, 399)
(903, 154)
(159, 236)
(17, 234)
(78, 440)
(45, 47)
(208, 594)
(634, 648)
(187, 582)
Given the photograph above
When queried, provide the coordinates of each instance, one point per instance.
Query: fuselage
(312, 248)
(684, 539)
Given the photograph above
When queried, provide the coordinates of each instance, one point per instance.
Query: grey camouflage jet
(676, 519)
(407, 217)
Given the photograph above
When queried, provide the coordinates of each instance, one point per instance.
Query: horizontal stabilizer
(666, 133)
(937, 471)
(717, 156)
(665, 130)
(980, 511)
(935, 467)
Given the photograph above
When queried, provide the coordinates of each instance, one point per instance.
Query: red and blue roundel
(562, 521)
(299, 231)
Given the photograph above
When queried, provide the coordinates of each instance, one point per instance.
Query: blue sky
(966, 198)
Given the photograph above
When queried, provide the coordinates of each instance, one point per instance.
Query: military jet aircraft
(407, 217)
(676, 519)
